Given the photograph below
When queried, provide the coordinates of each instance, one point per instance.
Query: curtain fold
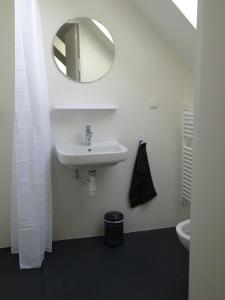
(31, 232)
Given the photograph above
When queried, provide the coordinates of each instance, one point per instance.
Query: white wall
(207, 264)
(6, 115)
(145, 68)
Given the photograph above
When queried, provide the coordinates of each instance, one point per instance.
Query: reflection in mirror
(83, 49)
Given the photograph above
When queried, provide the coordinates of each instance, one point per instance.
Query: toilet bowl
(183, 232)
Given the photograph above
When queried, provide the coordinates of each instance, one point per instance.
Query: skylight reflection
(189, 8)
(103, 29)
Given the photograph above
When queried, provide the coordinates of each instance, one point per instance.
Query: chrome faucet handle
(88, 135)
(88, 128)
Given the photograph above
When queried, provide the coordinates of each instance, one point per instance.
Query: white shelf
(86, 107)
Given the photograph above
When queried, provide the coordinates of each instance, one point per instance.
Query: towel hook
(141, 139)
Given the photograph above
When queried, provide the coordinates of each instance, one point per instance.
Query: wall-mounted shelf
(86, 107)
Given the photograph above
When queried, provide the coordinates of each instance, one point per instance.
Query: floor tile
(150, 265)
(16, 284)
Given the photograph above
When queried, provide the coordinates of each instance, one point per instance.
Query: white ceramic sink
(98, 154)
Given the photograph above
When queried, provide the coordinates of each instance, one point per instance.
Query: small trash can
(113, 228)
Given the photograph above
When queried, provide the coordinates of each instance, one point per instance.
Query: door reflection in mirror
(83, 49)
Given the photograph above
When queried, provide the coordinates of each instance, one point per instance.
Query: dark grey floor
(150, 265)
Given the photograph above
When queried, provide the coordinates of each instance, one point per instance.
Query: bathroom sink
(98, 154)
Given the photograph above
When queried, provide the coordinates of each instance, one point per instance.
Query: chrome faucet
(88, 135)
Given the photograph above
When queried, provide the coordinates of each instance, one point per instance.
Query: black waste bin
(113, 228)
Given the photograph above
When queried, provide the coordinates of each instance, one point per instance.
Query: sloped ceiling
(171, 23)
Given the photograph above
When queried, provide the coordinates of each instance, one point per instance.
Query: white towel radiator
(188, 131)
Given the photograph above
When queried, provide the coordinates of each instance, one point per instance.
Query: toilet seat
(183, 232)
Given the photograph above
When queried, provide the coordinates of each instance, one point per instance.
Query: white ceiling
(171, 23)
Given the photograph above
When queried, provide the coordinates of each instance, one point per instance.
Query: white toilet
(183, 232)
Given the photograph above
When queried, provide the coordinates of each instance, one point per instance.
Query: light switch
(154, 104)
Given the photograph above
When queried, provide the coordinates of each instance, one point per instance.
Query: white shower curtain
(31, 193)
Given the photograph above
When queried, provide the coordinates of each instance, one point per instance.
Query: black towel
(142, 187)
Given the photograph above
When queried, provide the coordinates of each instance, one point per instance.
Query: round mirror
(83, 49)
